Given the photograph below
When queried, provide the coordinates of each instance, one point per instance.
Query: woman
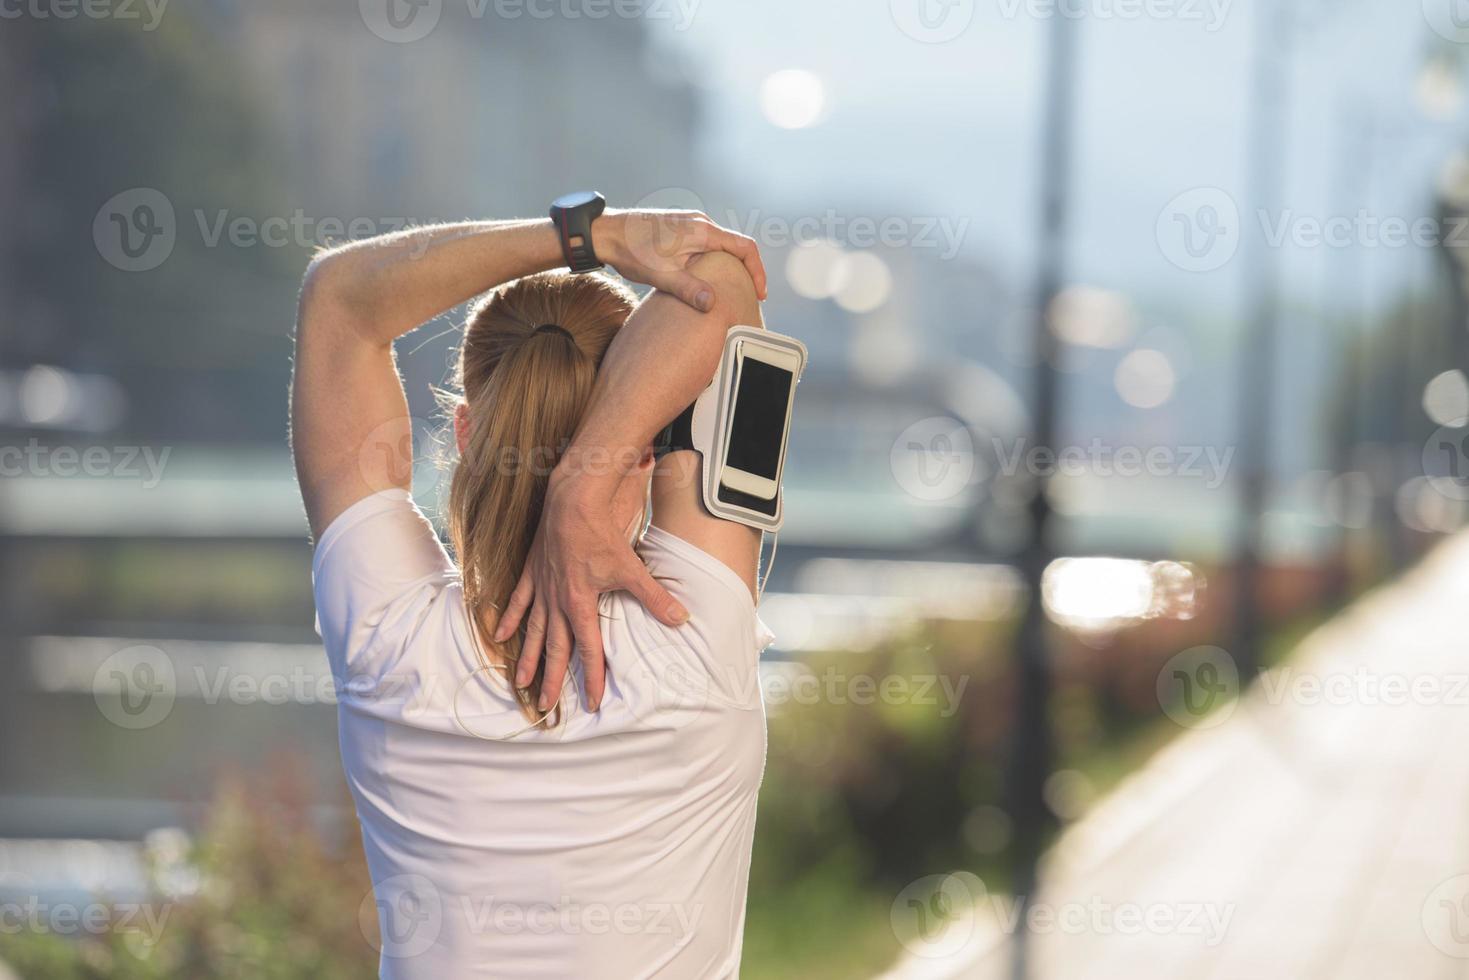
(517, 825)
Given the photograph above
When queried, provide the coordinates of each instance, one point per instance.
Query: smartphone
(764, 386)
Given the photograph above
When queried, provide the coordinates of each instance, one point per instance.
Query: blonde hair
(526, 368)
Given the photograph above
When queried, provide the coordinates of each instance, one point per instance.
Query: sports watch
(573, 215)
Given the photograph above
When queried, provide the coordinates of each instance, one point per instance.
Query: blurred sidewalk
(1321, 830)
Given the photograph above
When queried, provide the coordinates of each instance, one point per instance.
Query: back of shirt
(615, 844)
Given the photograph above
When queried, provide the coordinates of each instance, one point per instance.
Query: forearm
(659, 362)
(393, 283)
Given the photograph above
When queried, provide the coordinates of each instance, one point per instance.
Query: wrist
(572, 482)
(607, 236)
(591, 474)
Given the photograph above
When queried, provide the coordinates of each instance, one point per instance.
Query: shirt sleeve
(378, 570)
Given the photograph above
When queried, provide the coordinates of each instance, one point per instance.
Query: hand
(655, 248)
(580, 550)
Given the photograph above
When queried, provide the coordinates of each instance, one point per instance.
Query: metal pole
(1032, 749)
(1257, 360)
(1347, 190)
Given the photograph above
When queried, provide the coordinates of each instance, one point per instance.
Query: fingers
(520, 599)
(689, 288)
(743, 248)
(654, 597)
(558, 655)
(530, 649)
(588, 630)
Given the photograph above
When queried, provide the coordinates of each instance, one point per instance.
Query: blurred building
(485, 116)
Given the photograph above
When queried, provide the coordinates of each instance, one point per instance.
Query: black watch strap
(676, 435)
(573, 215)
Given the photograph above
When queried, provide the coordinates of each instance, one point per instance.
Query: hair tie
(555, 328)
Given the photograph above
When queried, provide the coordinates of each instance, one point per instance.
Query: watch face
(574, 200)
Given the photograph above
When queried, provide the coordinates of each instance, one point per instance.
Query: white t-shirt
(616, 844)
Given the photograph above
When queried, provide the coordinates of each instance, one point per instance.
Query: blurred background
(1118, 606)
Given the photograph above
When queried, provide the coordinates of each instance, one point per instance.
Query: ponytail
(526, 369)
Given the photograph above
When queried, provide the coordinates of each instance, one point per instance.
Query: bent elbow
(318, 284)
(325, 294)
(735, 299)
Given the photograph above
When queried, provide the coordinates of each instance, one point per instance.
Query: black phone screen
(758, 427)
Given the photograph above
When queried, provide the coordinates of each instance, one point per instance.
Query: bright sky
(911, 128)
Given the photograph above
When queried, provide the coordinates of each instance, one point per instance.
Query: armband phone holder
(740, 425)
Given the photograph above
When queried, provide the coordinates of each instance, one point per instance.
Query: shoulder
(376, 568)
(721, 610)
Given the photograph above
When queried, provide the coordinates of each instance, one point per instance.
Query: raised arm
(656, 366)
(350, 430)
